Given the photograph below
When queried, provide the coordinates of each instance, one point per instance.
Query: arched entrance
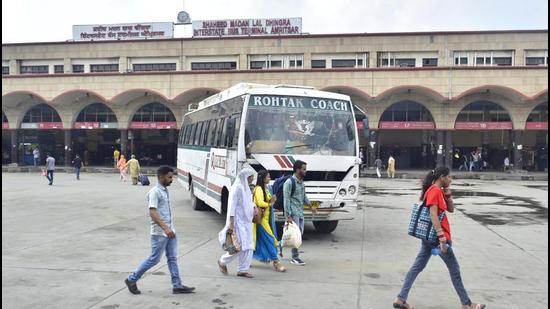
(153, 135)
(406, 130)
(6, 140)
(95, 134)
(535, 140)
(484, 128)
(41, 128)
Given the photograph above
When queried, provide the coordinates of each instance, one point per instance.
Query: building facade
(431, 98)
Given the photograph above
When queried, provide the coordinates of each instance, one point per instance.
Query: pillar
(14, 70)
(124, 142)
(440, 148)
(449, 149)
(518, 152)
(123, 64)
(67, 65)
(14, 146)
(68, 148)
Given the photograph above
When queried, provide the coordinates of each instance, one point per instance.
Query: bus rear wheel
(325, 227)
(197, 204)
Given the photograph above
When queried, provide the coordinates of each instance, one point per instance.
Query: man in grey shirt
(49, 167)
(163, 234)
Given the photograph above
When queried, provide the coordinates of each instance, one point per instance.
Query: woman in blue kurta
(264, 237)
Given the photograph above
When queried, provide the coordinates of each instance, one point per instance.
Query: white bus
(270, 127)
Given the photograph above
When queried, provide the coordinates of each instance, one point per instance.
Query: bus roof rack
(294, 86)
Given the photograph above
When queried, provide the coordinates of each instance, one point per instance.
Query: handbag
(292, 236)
(231, 245)
(421, 225)
(258, 215)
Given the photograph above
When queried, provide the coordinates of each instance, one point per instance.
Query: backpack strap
(293, 185)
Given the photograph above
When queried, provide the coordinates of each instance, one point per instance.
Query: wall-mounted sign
(136, 31)
(484, 125)
(247, 27)
(537, 126)
(153, 125)
(42, 125)
(95, 125)
(401, 125)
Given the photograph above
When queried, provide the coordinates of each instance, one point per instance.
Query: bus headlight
(352, 190)
(342, 192)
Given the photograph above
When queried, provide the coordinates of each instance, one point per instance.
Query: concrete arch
(515, 125)
(540, 97)
(514, 108)
(77, 95)
(78, 111)
(135, 105)
(412, 89)
(413, 101)
(12, 100)
(130, 95)
(27, 110)
(430, 99)
(193, 95)
(502, 91)
(358, 96)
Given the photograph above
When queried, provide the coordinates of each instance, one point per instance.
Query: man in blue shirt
(163, 234)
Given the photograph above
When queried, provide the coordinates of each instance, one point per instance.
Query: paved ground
(72, 245)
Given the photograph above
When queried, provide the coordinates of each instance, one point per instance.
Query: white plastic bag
(292, 236)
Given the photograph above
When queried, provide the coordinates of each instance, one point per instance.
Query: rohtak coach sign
(247, 27)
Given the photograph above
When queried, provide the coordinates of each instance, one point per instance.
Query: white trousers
(245, 259)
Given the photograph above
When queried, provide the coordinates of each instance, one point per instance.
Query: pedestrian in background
(122, 167)
(378, 165)
(239, 222)
(49, 168)
(391, 167)
(77, 163)
(116, 156)
(163, 234)
(134, 169)
(36, 156)
(437, 195)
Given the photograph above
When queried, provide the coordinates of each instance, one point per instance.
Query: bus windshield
(300, 126)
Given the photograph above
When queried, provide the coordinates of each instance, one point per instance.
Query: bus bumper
(324, 214)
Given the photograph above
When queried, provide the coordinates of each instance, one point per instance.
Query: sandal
(223, 268)
(245, 275)
(404, 305)
(278, 267)
(479, 306)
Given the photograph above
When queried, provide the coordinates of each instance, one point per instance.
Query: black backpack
(278, 191)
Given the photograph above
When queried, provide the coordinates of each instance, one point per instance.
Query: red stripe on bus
(287, 161)
(280, 161)
(211, 186)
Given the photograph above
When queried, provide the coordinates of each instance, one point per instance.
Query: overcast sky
(51, 20)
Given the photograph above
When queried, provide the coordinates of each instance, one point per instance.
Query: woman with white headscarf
(240, 213)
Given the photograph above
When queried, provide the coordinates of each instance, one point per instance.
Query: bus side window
(237, 126)
(225, 128)
(221, 127)
(230, 132)
(204, 135)
(197, 134)
(180, 136)
(191, 134)
(212, 133)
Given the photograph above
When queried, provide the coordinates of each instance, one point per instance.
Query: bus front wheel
(325, 227)
(195, 201)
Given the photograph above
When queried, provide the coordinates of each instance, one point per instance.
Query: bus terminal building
(429, 97)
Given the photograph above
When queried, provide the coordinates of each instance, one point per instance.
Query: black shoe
(298, 261)
(132, 287)
(183, 290)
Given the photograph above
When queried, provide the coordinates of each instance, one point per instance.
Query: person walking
(264, 237)
(239, 222)
(49, 168)
(36, 156)
(133, 166)
(121, 165)
(391, 167)
(378, 165)
(77, 163)
(116, 156)
(163, 235)
(294, 203)
(437, 195)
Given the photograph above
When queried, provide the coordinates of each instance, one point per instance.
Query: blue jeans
(300, 222)
(420, 263)
(36, 161)
(77, 169)
(49, 175)
(159, 244)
